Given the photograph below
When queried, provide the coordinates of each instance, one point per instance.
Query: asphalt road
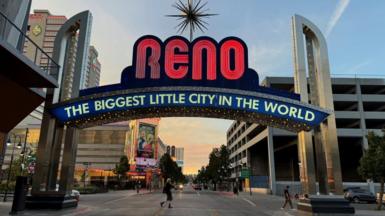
(186, 203)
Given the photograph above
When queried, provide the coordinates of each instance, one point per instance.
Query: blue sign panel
(283, 109)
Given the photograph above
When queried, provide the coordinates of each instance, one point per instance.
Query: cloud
(340, 9)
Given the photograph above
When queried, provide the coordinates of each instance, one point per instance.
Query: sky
(354, 31)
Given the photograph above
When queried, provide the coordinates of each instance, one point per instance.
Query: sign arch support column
(52, 132)
(309, 44)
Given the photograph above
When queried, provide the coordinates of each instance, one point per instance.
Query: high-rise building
(179, 157)
(42, 29)
(93, 70)
(177, 154)
(162, 148)
(21, 94)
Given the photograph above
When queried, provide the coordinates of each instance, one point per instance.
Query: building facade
(101, 147)
(271, 154)
(92, 78)
(179, 157)
(162, 148)
(14, 85)
(42, 29)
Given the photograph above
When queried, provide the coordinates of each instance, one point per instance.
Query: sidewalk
(274, 204)
(5, 207)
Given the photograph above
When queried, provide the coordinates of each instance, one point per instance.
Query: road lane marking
(214, 212)
(198, 193)
(159, 212)
(251, 203)
(115, 200)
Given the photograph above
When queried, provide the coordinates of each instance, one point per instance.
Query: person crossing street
(167, 190)
(287, 198)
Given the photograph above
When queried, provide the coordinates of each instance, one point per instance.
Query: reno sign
(177, 62)
(176, 77)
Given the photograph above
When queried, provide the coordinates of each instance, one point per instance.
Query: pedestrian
(287, 198)
(167, 190)
(137, 186)
(236, 187)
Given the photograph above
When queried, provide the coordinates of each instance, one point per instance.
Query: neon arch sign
(178, 78)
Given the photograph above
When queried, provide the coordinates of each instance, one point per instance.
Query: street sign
(245, 172)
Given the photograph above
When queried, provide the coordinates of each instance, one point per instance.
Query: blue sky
(355, 32)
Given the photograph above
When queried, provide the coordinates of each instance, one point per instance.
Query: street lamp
(26, 151)
(9, 143)
(25, 146)
(86, 164)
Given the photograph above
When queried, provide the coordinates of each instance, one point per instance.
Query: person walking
(167, 190)
(235, 188)
(287, 198)
(137, 186)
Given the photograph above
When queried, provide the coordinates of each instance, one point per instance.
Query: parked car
(76, 194)
(358, 195)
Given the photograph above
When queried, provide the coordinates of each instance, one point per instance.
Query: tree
(201, 176)
(218, 167)
(122, 168)
(372, 163)
(170, 169)
(15, 169)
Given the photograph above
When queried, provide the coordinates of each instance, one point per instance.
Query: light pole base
(50, 201)
(324, 205)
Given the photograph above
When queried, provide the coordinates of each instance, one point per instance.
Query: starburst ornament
(192, 15)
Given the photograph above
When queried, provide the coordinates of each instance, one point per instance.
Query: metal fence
(15, 37)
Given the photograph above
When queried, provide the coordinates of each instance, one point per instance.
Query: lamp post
(24, 147)
(86, 164)
(9, 143)
(24, 160)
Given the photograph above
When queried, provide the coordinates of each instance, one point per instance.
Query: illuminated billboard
(146, 141)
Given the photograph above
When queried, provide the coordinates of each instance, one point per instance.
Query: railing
(14, 36)
(356, 76)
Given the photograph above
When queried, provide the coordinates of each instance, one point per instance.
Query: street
(187, 203)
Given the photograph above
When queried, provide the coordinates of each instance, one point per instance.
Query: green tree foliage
(122, 168)
(15, 169)
(202, 176)
(170, 169)
(372, 163)
(218, 168)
